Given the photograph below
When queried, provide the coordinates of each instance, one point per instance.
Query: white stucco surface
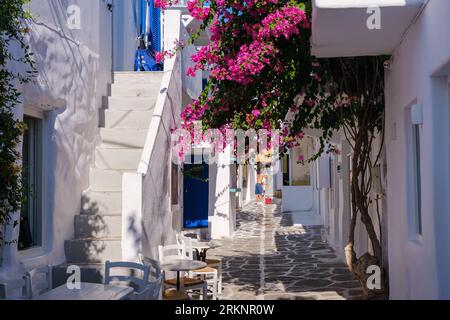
(125, 33)
(222, 202)
(420, 69)
(74, 67)
(376, 26)
(150, 220)
(418, 76)
(297, 198)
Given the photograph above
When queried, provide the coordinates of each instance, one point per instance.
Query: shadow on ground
(269, 258)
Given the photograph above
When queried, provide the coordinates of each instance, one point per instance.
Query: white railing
(146, 208)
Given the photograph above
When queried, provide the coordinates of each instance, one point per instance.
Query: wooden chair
(216, 264)
(176, 252)
(129, 276)
(156, 277)
(7, 289)
(35, 285)
(212, 263)
(204, 273)
(3, 288)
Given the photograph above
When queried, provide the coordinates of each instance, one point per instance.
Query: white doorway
(297, 187)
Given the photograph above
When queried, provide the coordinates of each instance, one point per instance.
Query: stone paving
(269, 258)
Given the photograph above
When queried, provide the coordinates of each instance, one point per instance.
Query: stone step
(101, 203)
(91, 273)
(97, 226)
(131, 103)
(134, 90)
(105, 180)
(128, 119)
(117, 159)
(150, 78)
(92, 250)
(123, 138)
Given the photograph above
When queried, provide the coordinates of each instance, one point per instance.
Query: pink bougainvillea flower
(159, 56)
(256, 113)
(190, 72)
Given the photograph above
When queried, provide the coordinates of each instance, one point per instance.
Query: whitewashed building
(415, 177)
(98, 147)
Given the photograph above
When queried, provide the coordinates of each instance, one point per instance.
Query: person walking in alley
(259, 187)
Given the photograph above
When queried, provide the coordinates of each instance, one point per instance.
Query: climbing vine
(14, 55)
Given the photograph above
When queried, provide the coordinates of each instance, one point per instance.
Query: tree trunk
(360, 207)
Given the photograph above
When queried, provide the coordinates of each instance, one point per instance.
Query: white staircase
(126, 120)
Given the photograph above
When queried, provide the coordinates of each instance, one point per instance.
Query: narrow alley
(269, 258)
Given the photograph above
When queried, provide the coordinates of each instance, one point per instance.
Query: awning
(340, 27)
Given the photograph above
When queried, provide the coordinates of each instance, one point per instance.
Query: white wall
(420, 69)
(297, 198)
(125, 33)
(251, 182)
(149, 219)
(222, 202)
(336, 215)
(74, 68)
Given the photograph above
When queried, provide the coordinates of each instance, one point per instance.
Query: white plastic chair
(34, 285)
(129, 275)
(177, 252)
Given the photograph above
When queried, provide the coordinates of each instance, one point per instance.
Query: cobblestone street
(269, 258)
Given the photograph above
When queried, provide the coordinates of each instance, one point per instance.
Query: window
(286, 173)
(350, 178)
(174, 185)
(204, 83)
(332, 183)
(414, 182)
(30, 233)
(245, 175)
(417, 179)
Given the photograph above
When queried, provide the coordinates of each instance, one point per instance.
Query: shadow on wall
(96, 226)
(70, 78)
(219, 204)
(157, 214)
(84, 248)
(134, 231)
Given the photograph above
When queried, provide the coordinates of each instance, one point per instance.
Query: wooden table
(179, 265)
(88, 291)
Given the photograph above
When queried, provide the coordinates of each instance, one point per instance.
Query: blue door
(155, 28)
(196, 190)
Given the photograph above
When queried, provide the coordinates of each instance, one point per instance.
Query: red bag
(268, 200)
